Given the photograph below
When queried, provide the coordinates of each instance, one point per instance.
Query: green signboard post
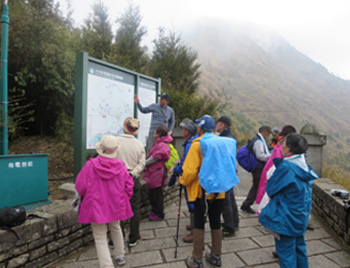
(5, 20)
(104, 97)
(24, 178)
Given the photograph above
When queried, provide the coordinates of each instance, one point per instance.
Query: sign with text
(23, 179)
(104, 97)
(147, 93)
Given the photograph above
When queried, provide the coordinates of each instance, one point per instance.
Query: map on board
(109, 102)
(147, 96)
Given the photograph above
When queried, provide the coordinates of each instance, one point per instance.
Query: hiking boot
(189, 227)
(151, 214)
(120, 261)
(134, 244)
(188, 238)
(213, 259)
(228, 234)
(248, 210)
(310, 227)
(274, 254)
(193, 263)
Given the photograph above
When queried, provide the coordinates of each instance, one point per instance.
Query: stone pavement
(251, 247)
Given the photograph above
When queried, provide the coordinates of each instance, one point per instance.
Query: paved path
(251, 247)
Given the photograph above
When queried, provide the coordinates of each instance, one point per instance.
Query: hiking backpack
(172, 157)
(14, 216)
(11, 217)
(246, 159)
(217, 173)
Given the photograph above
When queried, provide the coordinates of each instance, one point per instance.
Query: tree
(97, 33)
(41, 62)
(127, 50)
(177, 66)
(175, 63)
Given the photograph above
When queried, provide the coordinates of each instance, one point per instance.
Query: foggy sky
(319, 29)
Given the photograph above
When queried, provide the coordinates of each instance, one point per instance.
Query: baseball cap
(265, 127)
(165, 96)
(276, 130)
(207, 122)
(189, 126)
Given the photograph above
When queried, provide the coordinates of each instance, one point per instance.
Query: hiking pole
(178, 222)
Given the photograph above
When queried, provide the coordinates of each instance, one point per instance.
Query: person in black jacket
(230, 210)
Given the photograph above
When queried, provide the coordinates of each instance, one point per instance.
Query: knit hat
(107, 146)
(131, 126)
(224, 119)
(287, 129)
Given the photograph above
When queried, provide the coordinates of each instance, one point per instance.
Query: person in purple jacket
(106, 187)
(155, 172)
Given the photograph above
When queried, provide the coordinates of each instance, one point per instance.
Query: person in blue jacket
(189, 133)
(287, 214)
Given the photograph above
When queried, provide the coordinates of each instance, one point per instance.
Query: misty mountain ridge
(268, 80)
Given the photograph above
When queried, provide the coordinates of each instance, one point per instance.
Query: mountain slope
(268, 80)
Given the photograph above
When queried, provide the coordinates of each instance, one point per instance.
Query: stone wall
(43, 241)
(331, 208)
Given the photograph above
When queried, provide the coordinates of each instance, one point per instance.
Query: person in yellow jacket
(202, 207)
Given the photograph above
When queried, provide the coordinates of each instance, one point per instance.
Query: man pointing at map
(162, 114)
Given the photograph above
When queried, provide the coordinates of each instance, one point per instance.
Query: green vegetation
(42, 48)
(342, 159)
(41, 61)
(232, 76)
(337, 174)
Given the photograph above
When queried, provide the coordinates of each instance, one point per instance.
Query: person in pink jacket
(106, 187)
(155, 173)
(269, 166)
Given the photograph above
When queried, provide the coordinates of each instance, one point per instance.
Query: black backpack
(14, 216)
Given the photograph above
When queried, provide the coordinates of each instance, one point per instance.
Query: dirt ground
(60, 159)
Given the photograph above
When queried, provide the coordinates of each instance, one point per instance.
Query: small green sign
(23, 179)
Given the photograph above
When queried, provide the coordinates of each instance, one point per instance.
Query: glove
(173, 179)
(343, 194)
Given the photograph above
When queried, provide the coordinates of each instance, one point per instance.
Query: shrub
(337, 174)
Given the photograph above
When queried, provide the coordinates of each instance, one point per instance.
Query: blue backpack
(246, 159)
(218, 170)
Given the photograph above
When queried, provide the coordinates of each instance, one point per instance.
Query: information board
(104, 97)
(147, 94)
(109, 101)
